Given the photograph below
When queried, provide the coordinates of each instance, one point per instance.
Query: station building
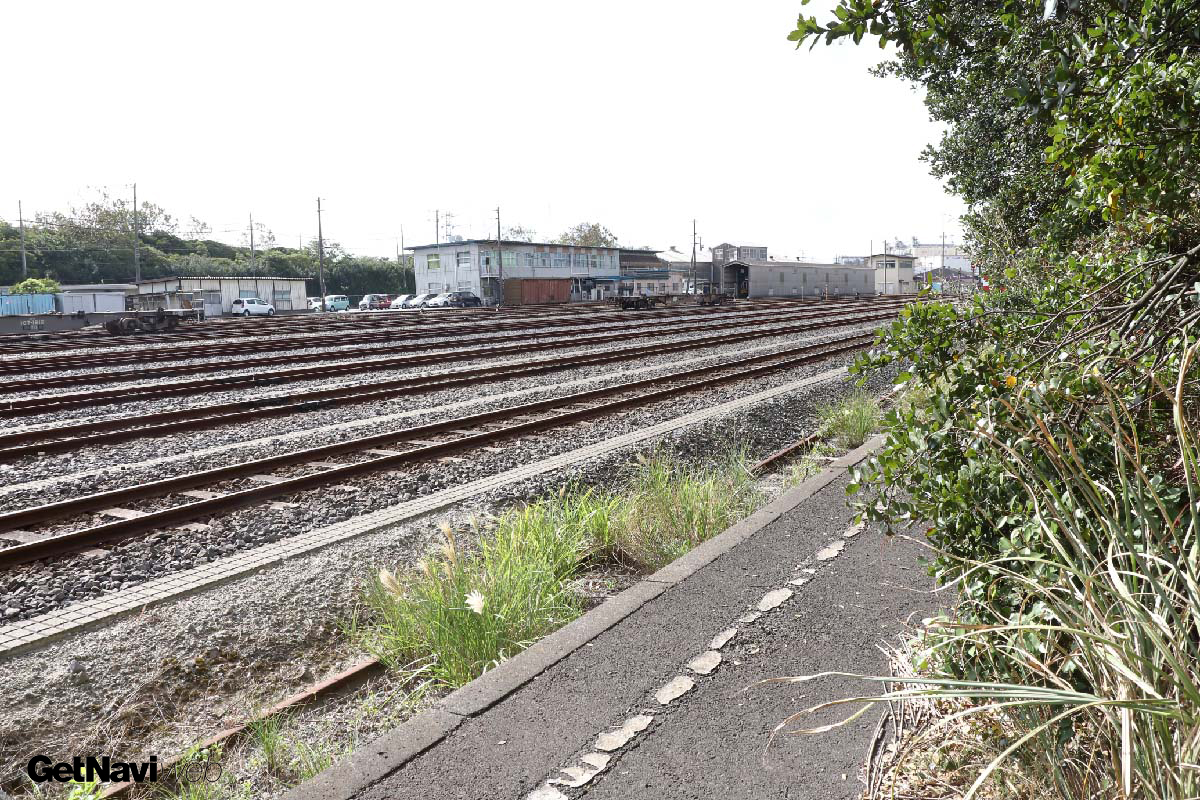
(556, 272)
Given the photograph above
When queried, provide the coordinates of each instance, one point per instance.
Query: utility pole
(252, 244)
(137, 264)
(21, 221)
(693, 257)
(321, 254)
(499, 260)
(437, 237)
(943, 280)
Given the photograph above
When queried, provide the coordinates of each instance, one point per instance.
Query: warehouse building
(288, 295)
(555, 272)
(893, 273)
(765, 278)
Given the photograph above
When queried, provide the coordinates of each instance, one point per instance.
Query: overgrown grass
(669, 509)
(267, 734)
(460, 613)
(849, 422)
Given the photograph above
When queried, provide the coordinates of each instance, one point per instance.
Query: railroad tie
(22, 536)
(262, 477)
(122, 513)
(200, 494)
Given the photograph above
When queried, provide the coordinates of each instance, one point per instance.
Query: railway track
(222, 327)
(423, 326)
(363, 360)
(71, 437)
(420, 443)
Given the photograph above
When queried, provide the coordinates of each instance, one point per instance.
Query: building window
(509, 258)
(527, 259)
(561, 260)
(462, 259)
(244, 293)
(781, 277)
(211, 298)
(433, 286)
(433, 262)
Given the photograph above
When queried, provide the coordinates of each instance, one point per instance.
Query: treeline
(95, 244)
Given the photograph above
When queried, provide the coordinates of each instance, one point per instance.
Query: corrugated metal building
(286, 294)
(753, 278)
(14, 304)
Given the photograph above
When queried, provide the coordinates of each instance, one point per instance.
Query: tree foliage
(1071, 135)
(94, 244)
(588, 234)
(36, 286)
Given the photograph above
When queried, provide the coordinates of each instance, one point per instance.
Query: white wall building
(218, 293)
(472, 265)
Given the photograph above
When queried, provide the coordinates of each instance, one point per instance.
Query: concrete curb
(394, 749)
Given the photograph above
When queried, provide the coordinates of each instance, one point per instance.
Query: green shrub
(36, 286)
(1085, 624)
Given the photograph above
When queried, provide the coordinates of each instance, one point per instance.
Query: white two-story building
(551, 270)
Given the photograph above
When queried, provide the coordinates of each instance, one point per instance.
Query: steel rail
(595, 402)
(72, 437)
(217, 327)
(158, 372)
(44, 404)
(423, 327)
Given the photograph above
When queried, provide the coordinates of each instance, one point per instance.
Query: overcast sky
(638, 115)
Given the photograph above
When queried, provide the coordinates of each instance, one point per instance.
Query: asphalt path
(715, 739)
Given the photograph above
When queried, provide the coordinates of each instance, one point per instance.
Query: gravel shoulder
(157, 682)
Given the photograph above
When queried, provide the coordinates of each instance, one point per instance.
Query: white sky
(637, 115)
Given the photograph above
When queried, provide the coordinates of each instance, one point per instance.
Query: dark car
(455, 300)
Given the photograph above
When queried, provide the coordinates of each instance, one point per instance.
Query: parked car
(337, 302)
(401, 300)
(373, 301)
(455, 300)
(252, 305)
(419, 301)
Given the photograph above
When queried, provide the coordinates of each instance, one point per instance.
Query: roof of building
(219, 278)
(504, 242)
(96, 287)
(756, 262)
(890, 255)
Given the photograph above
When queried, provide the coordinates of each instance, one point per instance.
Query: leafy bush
(1087, 620)
(36, 286)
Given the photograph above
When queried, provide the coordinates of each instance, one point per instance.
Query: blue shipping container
(13, 304)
